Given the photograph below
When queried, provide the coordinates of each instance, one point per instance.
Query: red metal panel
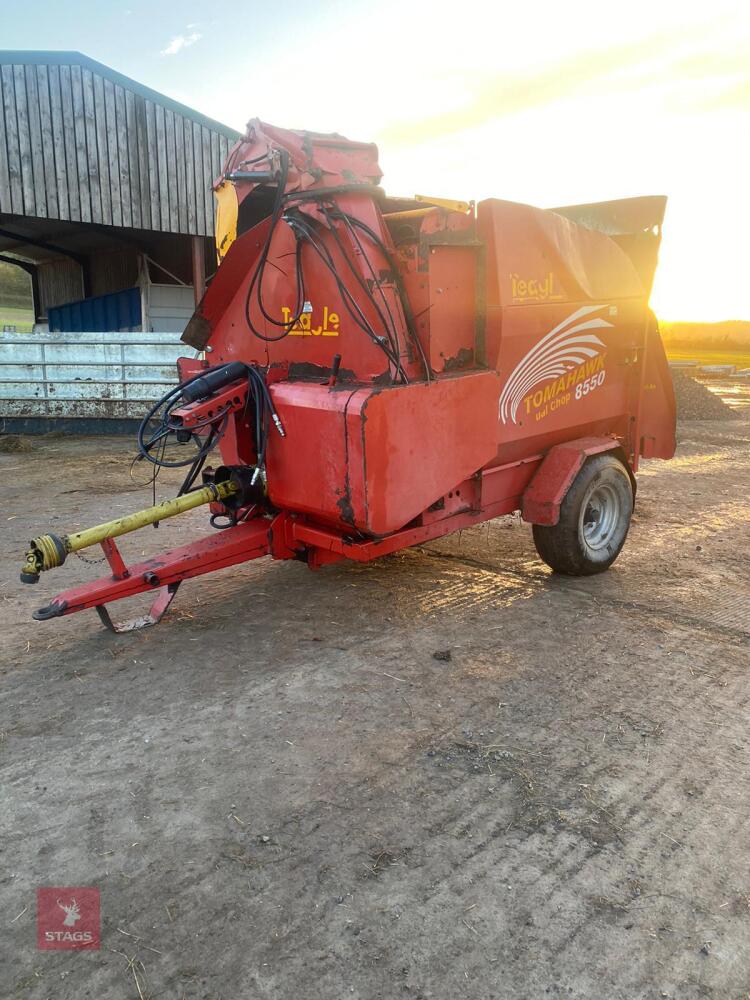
(327, 329)
(552, 480)
(451, 308)
(656, 424)
(423, 440)
(309, 469)
(537, 256)
(188, 367)
(565, 324)
(380, 456)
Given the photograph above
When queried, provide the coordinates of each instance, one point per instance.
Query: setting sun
(551, 104)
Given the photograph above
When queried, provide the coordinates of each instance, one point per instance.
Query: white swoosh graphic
(562, 349)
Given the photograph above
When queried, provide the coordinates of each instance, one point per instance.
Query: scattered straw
(11, 444)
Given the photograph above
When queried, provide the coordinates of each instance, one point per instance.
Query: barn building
(106, 201)
(105, 193)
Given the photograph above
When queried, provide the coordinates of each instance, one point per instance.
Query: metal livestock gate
(88, 382)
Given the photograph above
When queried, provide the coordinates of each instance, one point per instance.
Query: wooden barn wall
(59, 281)
(112, 271)
(79, 147)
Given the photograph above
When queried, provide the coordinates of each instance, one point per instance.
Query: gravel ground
(696, 401)
(448, 774)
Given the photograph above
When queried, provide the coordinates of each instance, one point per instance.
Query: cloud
(684, 69)
(180, 42)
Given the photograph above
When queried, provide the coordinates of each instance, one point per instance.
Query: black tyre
(594, 520)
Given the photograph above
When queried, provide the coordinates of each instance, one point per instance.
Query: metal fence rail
(92, 375)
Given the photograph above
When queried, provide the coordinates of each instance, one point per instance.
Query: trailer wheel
(594, 520)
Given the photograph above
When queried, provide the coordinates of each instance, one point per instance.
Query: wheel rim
(600, 516)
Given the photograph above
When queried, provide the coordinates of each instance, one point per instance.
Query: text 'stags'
(67, 917)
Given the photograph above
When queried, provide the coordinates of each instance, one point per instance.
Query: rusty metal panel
(111, 375)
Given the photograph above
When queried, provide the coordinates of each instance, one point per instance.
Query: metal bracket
(155, 615)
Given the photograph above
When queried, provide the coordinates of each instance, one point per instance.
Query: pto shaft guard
(48, 551)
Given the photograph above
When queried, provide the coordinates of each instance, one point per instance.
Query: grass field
(707, 356)
(22, 319)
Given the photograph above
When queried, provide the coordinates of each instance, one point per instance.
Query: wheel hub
(600, 515)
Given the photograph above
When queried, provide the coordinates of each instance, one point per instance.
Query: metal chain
(91, 562)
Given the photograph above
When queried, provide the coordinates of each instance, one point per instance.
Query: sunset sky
(546, 102)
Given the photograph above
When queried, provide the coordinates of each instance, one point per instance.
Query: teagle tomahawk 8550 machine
(377, 372)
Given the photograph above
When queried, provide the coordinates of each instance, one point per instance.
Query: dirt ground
(282, 792)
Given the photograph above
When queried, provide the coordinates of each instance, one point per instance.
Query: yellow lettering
(330, 323)
(304, 328)
(538, 289)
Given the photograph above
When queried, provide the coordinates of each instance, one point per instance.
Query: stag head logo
(68, 916)
(72, 912)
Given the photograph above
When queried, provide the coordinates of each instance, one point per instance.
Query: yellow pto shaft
(48, 551)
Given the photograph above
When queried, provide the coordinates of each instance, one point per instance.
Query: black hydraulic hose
(303, 234)
(211, 381)
(376, 280)
(256, 281)
(318, 194)
(201, 386)
(350, 303)
(400, 285)
(391, 330)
